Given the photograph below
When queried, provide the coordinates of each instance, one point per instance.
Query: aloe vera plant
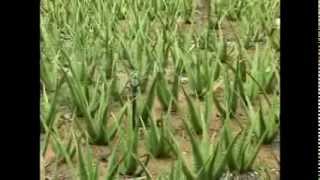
(129, 146)
(163, 91)
(95, 112)
(95, 123)
(244, 150)
(142, 107)
(210, 160)
(114, 165)
(175, 172)
(158, 138)
(88, 170)
(200, 120)
(266, 122)
(137, 61)
(49, 112)
(200, 74)
(268, 24)
(176, 84)
(63, 152)
(264, 70)
(48, 73)
(233, 90)
(250, 33)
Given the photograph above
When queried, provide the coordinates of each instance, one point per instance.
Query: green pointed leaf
(149, 103)
(195, 120)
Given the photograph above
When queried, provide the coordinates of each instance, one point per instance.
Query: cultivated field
(160, 89)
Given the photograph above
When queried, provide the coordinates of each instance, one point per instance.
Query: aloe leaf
(176, 83)
(252, 156)
(149, 103)
(219, 169)
(61, 149)
(130, 145)
(195, 120)
(163, 92)
(154, 139)
(175, 148)
(199, 161)
(53, 108)
(262, 126)
(239, 80)
(82, 165)
(113, 166)
(235, 156)
(219, 107)
(47, 122)
(80, 100)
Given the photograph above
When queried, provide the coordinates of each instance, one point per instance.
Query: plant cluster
(125, 69)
